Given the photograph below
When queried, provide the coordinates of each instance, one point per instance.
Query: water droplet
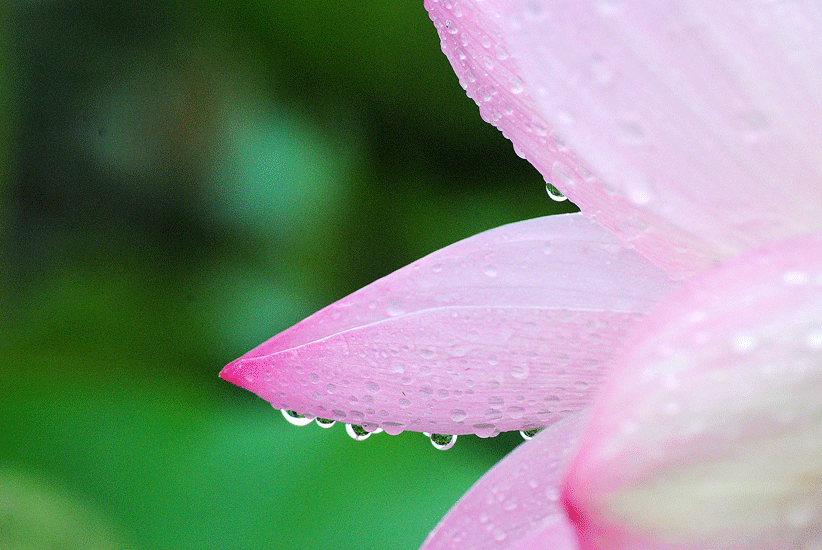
(296, 419)
(392, 428)
(485, 429)
(499, 535)
(528, 435)
(443, 442)
(795, 278)
(515, 85)
(404, 403)
(744, 343)
(395, 307)
(458, 415)
(490, 271)
(631, 132)
(554, 193)
(501, 52)
(360, 433)
(813, 339)
(325, 423)
(451, 27)
(372, 387)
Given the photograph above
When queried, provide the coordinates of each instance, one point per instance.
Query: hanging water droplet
(528, 435)
(296, 419)
(359, 433)
(325, 423)
(554, 193)
(443, 442)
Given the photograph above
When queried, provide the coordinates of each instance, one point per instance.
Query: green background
(181, 181)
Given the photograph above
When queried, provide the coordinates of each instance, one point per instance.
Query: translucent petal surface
(516, 504)
(694, 125)
(507, 330)
(708, 431)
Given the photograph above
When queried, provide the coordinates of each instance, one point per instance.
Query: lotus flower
(668, 338)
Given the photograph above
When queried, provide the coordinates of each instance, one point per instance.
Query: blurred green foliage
(180, 182)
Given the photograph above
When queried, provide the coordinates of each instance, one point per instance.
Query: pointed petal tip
(505, 331)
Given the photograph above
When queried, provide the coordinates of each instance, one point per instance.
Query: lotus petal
(694, 125)
(516, 504)
(507, 330)
(708, 431)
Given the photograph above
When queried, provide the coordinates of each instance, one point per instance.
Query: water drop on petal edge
(528, 435)
(357, 433)
(296, 419)
(554, 193)
(443, 442)
(325, 423)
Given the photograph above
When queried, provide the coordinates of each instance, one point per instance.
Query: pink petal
(694, 125)
(508, 330)
(516, 505)
(708, 431)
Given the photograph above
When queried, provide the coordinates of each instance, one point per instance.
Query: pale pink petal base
(508, 330)
(708, 431)
(516, 505)
(693, 125)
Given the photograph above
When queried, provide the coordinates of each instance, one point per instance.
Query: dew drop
(404, 403)
(458, 415)
(501, 52)
(485, 429)
(443, 442)
(451, 27)
(554, 193)
(325, 423)
(490, 271)
(296, 419)
(359, 433)
(744, 343)
(395, 307)
(528, 435)
(795, 278)
(515, 85)
(392, 428)
(813, 339)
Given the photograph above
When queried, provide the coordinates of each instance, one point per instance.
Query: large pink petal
(516, 505)
(708, 431)
(507, 330)
(694, 125)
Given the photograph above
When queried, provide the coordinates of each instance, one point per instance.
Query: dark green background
(179, 183)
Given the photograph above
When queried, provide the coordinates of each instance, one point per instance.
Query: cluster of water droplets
(443, 442)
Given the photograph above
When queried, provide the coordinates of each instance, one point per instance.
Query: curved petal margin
(516, 504)
(693, 125)
(708, 431)
(507, 330)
